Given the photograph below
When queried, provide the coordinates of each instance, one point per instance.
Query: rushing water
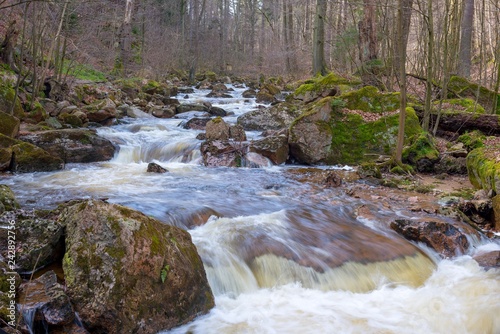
(281, 256)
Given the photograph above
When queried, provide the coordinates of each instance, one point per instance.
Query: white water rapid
(281, 256)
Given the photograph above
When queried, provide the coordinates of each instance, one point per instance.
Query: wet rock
(255, 160)
(441, 236)
(26, 158)
(9, 125)
(44, 298)
(249, 93)
(185, 107)
(332, 179)
(163, 111)
(216, 111)
(219, 90)
(8, 200)
(134, 112)
(39, 239)
(5, 158)
(217, 129)
(268, 94)
(155, 168)
(129, 273)
(217, 153)
(237, 133)
(274, 147)
(9, 282)
(104, 116)
(188, 218)
(275, 117)
(488, 260)
(196, 123)
(73, 145)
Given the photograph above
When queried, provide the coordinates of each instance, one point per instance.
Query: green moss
(422, 147)
(483, 170)
(72, 120)
(9, 125)
(369, 169)
(7, 95)
(355, 140)
(321, 83)
(463, 105)
(370, 99)
(472, 140)
(83, 72)
(461, 87)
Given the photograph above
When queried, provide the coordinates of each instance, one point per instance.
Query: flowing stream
(281, 256)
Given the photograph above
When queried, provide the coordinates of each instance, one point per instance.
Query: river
(281, 256)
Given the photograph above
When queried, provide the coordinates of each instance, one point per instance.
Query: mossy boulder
(37, 112)
(72, 145)
(7, 99)
(463, 88)
(327, 134)
(322, 86)
(483, 166)
(421, 153)
(129, 273)
(472, 140)
(8, 200)
(370, 99)
(9, 125)
(276, 117)
(459, 105)
(27, 158)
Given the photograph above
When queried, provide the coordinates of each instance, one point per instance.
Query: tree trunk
(123, 63)
(8, 45)
(402, 84)
(464, 54)
(430, 66)
(460, 123)
(319, 66)
(368, 33)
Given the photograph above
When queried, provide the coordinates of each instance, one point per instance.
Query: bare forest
(288, 38)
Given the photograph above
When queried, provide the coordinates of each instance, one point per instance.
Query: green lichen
(9, 125)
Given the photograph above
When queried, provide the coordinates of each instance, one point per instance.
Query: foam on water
(459, 298)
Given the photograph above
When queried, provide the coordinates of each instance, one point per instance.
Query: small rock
(155, 168)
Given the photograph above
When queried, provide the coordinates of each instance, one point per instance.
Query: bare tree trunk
(8, 45)
(368, 33)
(430, 65)
(124, 60)
(464, 54)
(402, 84)
(319, 66)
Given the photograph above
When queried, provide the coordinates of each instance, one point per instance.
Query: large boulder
(9, 125)
(128, 273)
(217, 129)
(274, 147)
(24, 157)
(218, 153)
(443, 237)
(320, 87)
(275, 117)
(9, 282)
(326, 133)
(9, 102)
(39, 239)
(72, 145)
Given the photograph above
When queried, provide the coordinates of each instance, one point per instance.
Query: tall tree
(319, 65)
(368, 32)
(402, 83)
(466, 26)
(124, 60)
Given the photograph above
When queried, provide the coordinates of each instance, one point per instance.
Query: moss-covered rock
(129, 273)
(8, 199)
(27, 158)
(9, 125)
(72, 145)
(322, 86)
(472, 140)
(459, 105)
(71, 119)
(37, 112)
(370, 99)
(483, 166)
(7, 95)
(422, 153)
(461, 87)
(9, 282)
(332, 135)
